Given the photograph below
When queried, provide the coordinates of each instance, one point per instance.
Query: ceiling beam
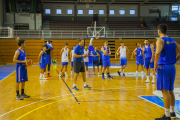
(77, 2)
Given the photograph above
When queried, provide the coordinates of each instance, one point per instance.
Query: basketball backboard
(6, 32)
(93, 31)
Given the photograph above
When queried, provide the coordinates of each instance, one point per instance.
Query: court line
(7, 76)
(152, 103)
(52, 103)
(37, 102)
(174, 109)
(68, 88)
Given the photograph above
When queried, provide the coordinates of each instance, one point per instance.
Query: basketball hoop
(16, 38)
(97, 36)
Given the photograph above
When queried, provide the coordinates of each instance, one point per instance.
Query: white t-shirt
(64, 57)
(122, 52)
(86, 52)
(72, 52)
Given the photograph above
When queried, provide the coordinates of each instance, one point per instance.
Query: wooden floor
(116, 99)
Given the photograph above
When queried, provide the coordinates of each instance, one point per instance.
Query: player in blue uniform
(101, 60)
(139, 58)
(48, 57)
(96, 56)
(165, 58)
(106, 60)
(21, 69)
(149, 60)
(42, 62)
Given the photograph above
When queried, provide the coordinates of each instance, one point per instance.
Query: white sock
(123, 71)
(65, 73)
(153, 77)
(172, 109)
(84, 83)
(44, 75)
(74, 85)
(120, 70)
(71, 72)
(147, 77)
(167, 112)
(136, 72)
(40, 75)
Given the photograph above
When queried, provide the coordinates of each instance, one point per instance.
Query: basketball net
(97, 36)
(16, 38)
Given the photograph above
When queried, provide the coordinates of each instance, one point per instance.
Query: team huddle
(160, 59)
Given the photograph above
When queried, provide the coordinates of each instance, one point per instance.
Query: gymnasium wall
(1, 13)
(142, 11)
(16, 18)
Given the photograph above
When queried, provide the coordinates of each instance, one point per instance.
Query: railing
(56, 34)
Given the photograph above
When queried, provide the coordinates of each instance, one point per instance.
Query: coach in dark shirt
(79, 63)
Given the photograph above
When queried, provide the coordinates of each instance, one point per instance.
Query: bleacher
(34, 46)
(172, 25)
(125, 25)
(69, 25)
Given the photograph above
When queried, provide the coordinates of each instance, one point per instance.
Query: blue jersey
(154, 51)
(168, 54)
(101, 54)
(97, 57)
(106, 57)
(139, 52)
(43, 58)
(21, 57)
(148, 52)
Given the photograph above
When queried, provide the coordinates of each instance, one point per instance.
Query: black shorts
(78, 67)
(95, 63)
(100, 62)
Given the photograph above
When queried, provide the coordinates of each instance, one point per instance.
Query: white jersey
(72, 52)
(122, 52)
(64, 57)
(86, 52)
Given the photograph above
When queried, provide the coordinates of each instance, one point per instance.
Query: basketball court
(120, 98)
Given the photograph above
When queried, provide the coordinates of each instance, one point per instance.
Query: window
(58, 11)
(69, 11)
(174, 19)
(80, 12)
(174, 8)
(47, 11)
(111, 12)
(132, 12)
(91, 12)
(122, 12)
(101, 12)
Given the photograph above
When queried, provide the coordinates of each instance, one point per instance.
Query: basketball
(118, 54)
(62, 74)
(29, 63)
(134, 53)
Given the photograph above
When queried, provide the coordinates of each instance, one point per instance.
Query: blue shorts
(64, 63)
(139, 60)
(147, 63)
(72, 63)
(42, 65)
(21, 74)
(106, 63)
(48, 59)
(123, 61)
(95, 63)
(166, 77)
(86, 63)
